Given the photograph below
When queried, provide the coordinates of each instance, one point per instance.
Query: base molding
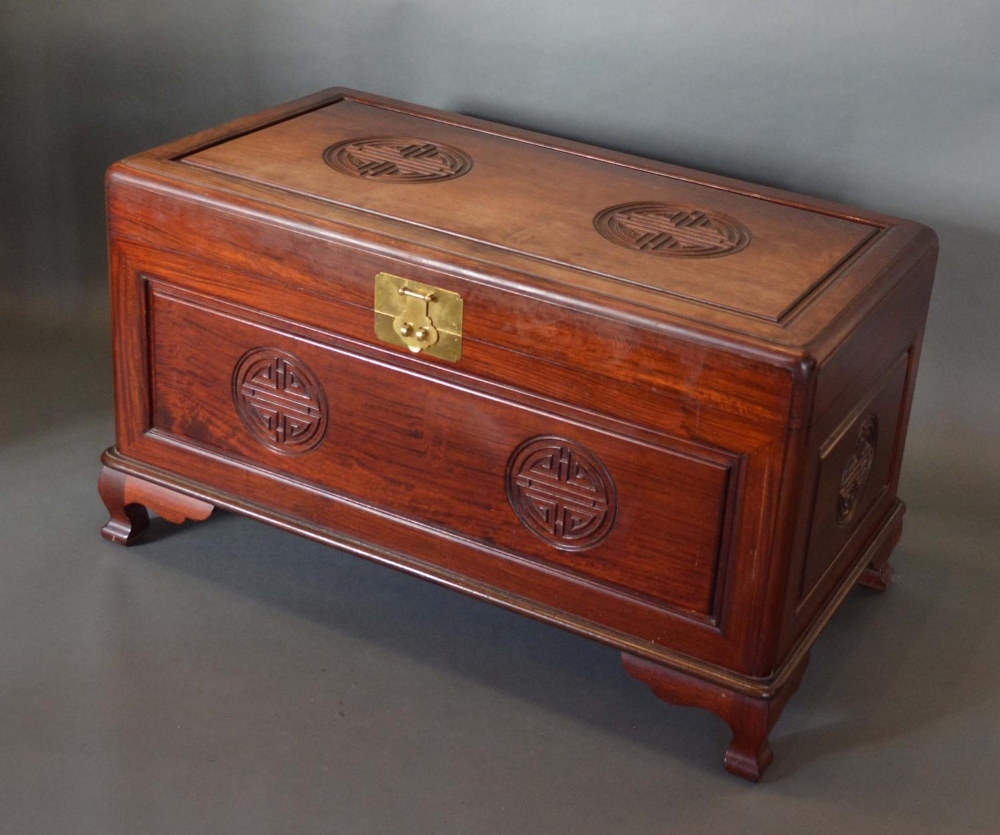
(749, 705)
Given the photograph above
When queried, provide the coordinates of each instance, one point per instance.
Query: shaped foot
(750, 718)
(876, 579)
(878, 574)
(127, 499)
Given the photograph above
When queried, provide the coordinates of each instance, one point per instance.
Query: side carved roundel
(280, 401)
(562, 493)
(858, 468)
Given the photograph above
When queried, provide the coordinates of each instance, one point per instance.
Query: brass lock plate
(418, 317)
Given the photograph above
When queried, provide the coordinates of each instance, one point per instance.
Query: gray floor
(227, 677)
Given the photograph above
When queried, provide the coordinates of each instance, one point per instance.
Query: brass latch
(418, 317)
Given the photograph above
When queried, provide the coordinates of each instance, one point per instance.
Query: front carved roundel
(857, 470)
(667, 229)
(280, 401)
(397, 159)
(561, 493)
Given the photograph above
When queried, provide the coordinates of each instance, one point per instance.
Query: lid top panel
(667, 235)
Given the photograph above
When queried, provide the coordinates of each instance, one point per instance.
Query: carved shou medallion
(666, 229)
(562, 493)
(857, 469)
(280, 401)
(398, 159)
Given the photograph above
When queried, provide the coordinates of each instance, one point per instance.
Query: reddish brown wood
(750, 718)
(677, 422)
(128, 498)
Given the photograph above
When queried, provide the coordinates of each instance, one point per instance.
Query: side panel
(855, 447)
(854, 475)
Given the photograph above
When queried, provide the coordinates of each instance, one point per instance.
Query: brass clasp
(418, 317)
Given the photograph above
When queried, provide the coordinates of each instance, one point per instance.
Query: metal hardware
(420, 318)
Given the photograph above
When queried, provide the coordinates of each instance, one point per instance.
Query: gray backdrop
(190, 676)
(893, 106)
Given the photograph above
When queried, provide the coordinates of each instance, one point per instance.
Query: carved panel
(280, 401)
(403, 446)
(562, 493)
(667, 229)
(397, 159)
(854, 477)
(857, 470)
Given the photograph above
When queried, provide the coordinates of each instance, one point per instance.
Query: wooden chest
(660, 408)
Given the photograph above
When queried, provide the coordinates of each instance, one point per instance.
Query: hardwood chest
(660, 408)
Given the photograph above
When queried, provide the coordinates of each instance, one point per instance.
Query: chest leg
(128, 500)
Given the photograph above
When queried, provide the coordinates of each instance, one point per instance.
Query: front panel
(635, 516)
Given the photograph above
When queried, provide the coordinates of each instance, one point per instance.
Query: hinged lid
(651, 238)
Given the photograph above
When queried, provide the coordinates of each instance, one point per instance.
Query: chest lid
(648, 237)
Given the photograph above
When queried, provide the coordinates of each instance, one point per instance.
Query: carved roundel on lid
(562, 493)
(857, 470)
(280, 401)
(398, 159)
(668, 229)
